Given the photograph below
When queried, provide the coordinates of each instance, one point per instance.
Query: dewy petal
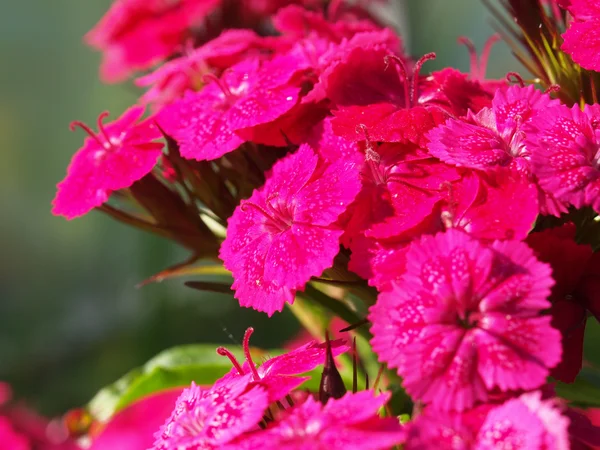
(565, 156)
(348, 422)
(527, 422)
(100, 167)
(463, 320)
(285, 232)
(210, 418)
(582, 42)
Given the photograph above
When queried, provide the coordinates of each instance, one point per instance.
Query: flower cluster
(298, 142)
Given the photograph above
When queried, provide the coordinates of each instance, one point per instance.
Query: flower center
(106, 141)
(279, 215)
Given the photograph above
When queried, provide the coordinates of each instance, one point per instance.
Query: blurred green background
(71, 319)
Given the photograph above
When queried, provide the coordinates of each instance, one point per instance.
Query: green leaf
(584, 391)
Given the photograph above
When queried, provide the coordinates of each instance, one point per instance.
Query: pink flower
(524, 423)
(120, 154)
(501, 204)
(494, 136)
(401, 186)
(208, 419)
(566, 159)
(10, 439)
(134, 34)
(464, 320)
(277, 374)
(133, 427)
(286, 232)
(582, 38)
(350, 422)
(247, 95)
(169, 81)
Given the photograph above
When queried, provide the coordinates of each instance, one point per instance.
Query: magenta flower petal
(348, 422)
(210, 418)
(285, 233)
(120, 154)
(565, 157)
(133, 427)
(527, 422)
(582, 38)
(463, 320)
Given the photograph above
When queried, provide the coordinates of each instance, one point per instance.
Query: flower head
(528, 422)
(566, 154)
(494, 136)
(173, 78)
(204, 123)
(121, 153)
(464, 320)
(134, 34)
(350, 422)
(278, 374)
(286, 232)
(208, 419)
(582, 38)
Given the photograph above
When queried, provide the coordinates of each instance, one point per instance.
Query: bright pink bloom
(120, 154)
(582, 38)
(278, 374)
(209, 419)
(401, 186)
(286, 232)
(497, 205)
(350, 422)
(10, 439)
(524, 423)
(133, 427)
(247, 95)
(464, 320)
(296, 21)
(494, 136)
(566, 155)
(169, 81)
(134, 34)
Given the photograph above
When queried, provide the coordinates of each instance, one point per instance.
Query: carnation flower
(501, 204)
(494, 136)
(350, 422)
(208, 419)
(204, 123)
(170, 81)
(566, 159)
(464, 320)
(524, 423)
(582, 38)
(121, 153)
(134, 34)
(286, 232)
(277, 374)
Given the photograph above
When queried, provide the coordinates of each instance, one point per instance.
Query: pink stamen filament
(474, 65)
(514, 76)
(246, 346)
(401, 67)
(273, 215)
(415, 77)
(372, 158)
(552, 88)
(479, 67)
(101, 117)
(485, 55)
(210, 77)
(224, 352)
